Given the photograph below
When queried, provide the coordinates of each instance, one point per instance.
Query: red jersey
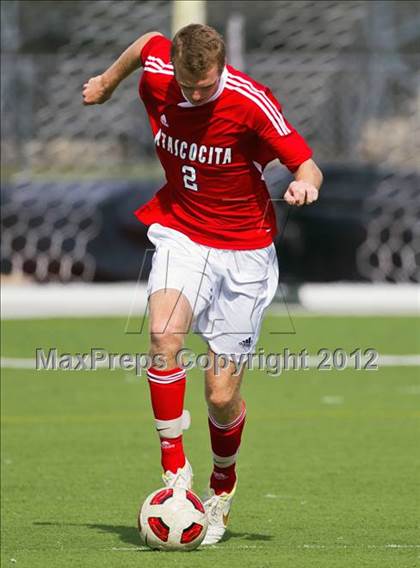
(213, 154)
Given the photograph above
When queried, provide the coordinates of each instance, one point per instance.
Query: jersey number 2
(190, 175)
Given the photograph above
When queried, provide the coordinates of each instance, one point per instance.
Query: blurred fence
(347, 74)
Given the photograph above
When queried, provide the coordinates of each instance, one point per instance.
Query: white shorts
(228, 289)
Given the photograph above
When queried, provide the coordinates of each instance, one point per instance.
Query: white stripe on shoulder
(155, 65)
(240, 81)
(274, 120)
(159, 71)
(254, 89)
(160, 61)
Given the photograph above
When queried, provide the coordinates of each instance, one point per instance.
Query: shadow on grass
(130, 535)
(246, 536)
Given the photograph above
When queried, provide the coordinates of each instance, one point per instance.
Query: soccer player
(212, 223)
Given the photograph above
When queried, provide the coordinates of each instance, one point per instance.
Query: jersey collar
(223, 77)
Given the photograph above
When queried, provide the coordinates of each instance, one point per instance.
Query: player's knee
(219, 400)
(167, 341)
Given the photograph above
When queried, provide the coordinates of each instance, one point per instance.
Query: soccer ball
(172, 519)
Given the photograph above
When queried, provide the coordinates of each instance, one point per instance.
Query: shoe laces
(215, 507)
(172, 478)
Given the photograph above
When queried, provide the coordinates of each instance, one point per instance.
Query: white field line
(313, 362)
(13, 363)
(128, 298)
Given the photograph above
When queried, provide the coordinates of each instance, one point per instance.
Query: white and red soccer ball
(172, 519)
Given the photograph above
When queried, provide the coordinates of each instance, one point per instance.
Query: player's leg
(226, 418)
(175, 291)
(170, 320)
(248, 284)
(170, 317)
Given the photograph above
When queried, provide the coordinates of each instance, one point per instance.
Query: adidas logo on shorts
(246, 342)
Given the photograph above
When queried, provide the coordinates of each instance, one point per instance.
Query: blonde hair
(196, 48)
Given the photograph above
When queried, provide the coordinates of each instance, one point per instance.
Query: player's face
(198, 90)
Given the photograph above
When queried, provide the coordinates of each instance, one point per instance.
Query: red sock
(167, 389)
(225, 442)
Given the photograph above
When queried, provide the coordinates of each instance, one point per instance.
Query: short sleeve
(277, 133)
(158, 46)
(157, 74)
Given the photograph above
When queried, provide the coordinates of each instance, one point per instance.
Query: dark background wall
(346, 73)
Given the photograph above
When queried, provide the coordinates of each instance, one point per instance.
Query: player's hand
(301, 193)
(96, 91)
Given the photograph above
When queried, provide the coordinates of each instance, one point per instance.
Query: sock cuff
(165, 376)
(232, 424)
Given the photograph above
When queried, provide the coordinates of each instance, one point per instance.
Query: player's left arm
(305, 188)
(97, 90)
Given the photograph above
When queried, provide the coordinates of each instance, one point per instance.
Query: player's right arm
(99, 89)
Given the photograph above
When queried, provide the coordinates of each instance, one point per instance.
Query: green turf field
(328, 470)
